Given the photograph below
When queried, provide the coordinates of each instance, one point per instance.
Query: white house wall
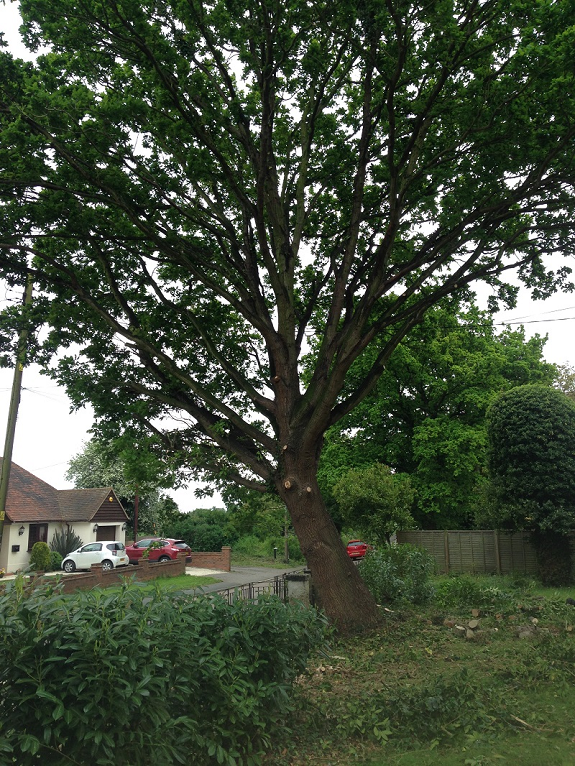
(13, 561)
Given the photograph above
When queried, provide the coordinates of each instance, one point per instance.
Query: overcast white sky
(48, 435)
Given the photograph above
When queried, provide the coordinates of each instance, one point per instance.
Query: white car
(109, 554)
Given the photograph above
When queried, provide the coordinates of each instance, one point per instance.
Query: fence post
(446, 550)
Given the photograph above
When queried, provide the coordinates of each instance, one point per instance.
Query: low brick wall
(142, 572)
(213, 560)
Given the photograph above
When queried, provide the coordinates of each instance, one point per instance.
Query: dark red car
(356, 549)
(160, 549)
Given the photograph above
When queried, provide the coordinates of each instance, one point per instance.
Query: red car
(164, 549)
(356, 549)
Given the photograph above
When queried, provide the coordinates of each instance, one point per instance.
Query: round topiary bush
(40, 558)
(55, 561)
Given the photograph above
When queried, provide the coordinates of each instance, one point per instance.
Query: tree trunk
(339, 590)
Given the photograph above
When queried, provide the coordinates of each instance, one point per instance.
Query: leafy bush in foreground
(163, 681)
(399, 573)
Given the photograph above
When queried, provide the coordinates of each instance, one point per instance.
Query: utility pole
(136, 504)
(13, 411)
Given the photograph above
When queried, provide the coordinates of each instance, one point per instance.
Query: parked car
(109, 554)
(356, 549)
(160, 549)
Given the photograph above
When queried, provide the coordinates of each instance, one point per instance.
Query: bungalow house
(35, 510)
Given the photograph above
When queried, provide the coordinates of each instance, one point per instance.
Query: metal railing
(275, 586)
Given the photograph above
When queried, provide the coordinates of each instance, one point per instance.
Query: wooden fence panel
(517, 554)
(483, 551)
(433, 541)
(471, 551)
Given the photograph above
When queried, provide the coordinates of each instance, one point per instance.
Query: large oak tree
(198, 187)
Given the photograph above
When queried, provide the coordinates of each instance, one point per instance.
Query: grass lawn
(182, 582)
(417, 692)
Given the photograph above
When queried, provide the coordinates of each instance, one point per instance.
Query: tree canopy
(199, 187)
(130, 472)
(426, 415)
(375, 501)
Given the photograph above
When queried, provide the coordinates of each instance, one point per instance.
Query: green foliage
(438, 698)
(399, 574)
(162, 680)
(444, 706)
(40, 557)
(376, 501)
(56, 559)
(426, 416)
(153, 546)
(532, 469)
(65, 540)
(565, 380)
(250, 544)
(294, 549)
(532, 459)
(199, 188)
(128, 465)
(263, 515)
(554, 557)
(203, 529)
(467, 592)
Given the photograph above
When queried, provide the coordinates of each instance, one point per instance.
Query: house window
(38, 534)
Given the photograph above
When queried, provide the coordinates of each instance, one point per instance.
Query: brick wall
(213, 560)
(142, 572)
(145, 570)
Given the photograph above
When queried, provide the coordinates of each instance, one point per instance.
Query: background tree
(197, 188)
(426, 415)
(565, 380)
(127, 471)
(532, 468)
(375, 501)
(205, 529)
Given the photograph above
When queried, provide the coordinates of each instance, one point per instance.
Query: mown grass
(416, 692)
(179, 583)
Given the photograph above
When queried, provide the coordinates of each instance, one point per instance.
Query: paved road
(240, 576)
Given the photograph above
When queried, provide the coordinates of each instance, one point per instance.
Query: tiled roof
(81, 504)
(29, 498)
(32, 500)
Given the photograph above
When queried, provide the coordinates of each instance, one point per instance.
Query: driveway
(240, 576)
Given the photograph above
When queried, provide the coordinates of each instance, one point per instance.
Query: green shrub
(399, 573)
(40, 557)
(65, 541)
(468, 591)
(55, 561)
(251, 545)
(164, 681)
